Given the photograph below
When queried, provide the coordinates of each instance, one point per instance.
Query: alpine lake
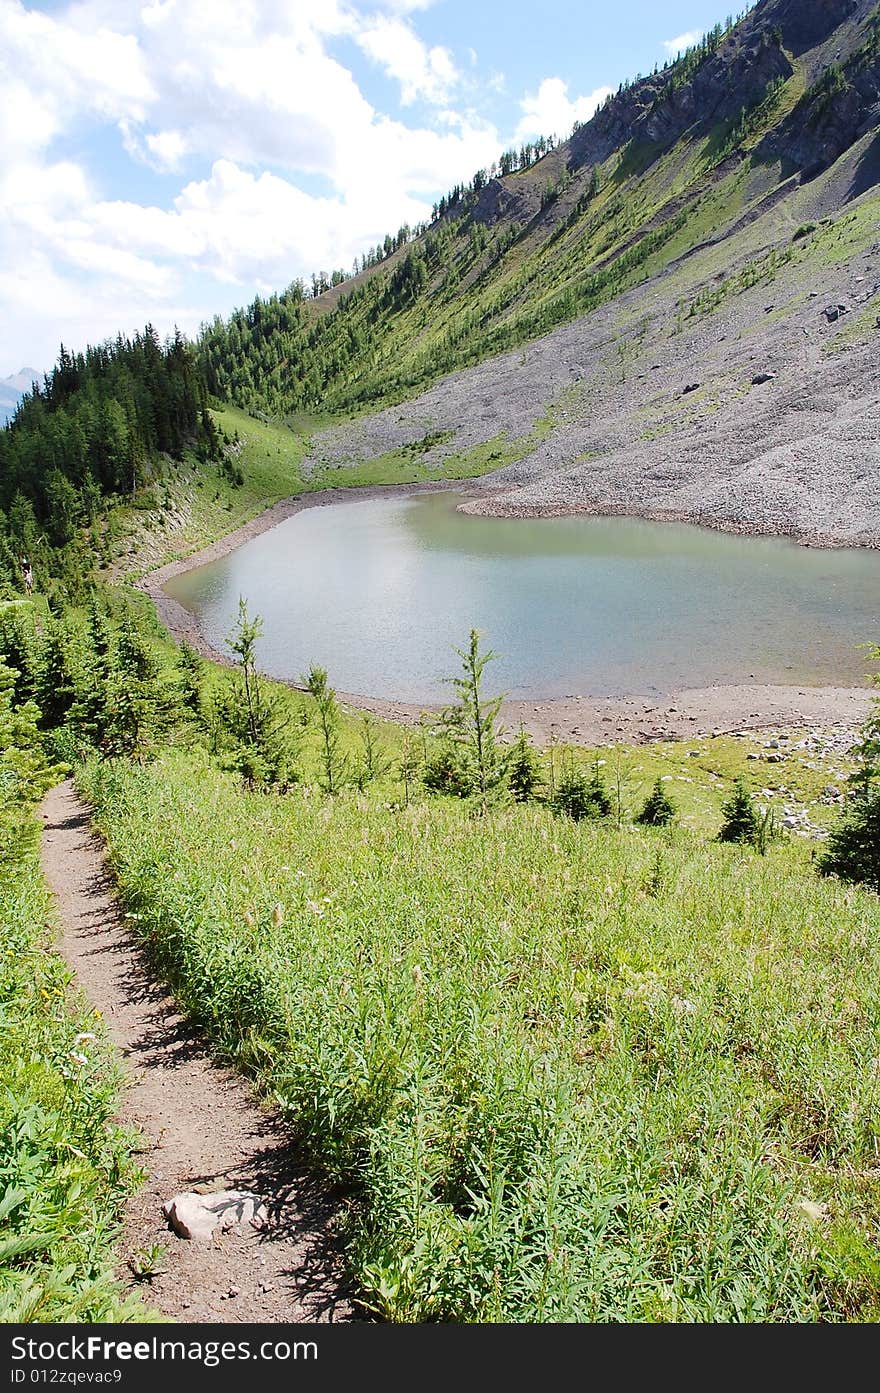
(378, 591)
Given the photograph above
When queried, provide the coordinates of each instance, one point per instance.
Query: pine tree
(251, 718)
(742, 820)
(659, 809)
(524, 770)
(137, 709)
(470, 726)
(334, 766)
(373, 762)
(91, 712)
(55, 687)
(408, 766)
(190, 671)
(445, 771)
(579, 797)
(18, 651)
(853, 849)
(25, 772)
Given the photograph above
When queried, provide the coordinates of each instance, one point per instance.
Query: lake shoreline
(504, 505)
(681, 714)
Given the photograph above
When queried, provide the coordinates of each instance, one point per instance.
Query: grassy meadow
(562, 1071)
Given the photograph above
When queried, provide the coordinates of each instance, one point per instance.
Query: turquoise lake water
(378, 590)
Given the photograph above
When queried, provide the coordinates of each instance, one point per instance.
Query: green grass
(193, 503)
(564, 1072)
(402, 466)
(191, 506)
(859, 328)
(65, 1167)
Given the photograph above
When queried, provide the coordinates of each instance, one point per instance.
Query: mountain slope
(683, 156)
(715, 224)
(654, 404)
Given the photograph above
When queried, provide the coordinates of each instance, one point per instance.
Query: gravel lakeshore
(589, 721)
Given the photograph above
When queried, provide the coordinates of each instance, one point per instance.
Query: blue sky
(166, 160)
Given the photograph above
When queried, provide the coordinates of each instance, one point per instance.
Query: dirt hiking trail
(203, 1128)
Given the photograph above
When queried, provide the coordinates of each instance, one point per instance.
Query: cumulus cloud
(69, 72)
(550, 111)
(167, 149)
(682, 42)
(424, 73)
(273, 161)
(407, 6)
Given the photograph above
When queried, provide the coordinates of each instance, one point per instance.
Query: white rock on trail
(198, 1216)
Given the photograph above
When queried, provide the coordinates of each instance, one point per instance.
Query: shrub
(578, 797)
(744, 823)
(445, 772)
(853, 850)
(659, 809)
(524, 771)
(741, 817)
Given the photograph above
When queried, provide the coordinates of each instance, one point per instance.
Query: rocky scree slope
(735, 379)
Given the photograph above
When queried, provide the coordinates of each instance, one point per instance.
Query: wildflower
(317, 909)
(84, 1035)
(80, 1058)
(814, 1212)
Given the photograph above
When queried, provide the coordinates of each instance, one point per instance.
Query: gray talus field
(653, 404)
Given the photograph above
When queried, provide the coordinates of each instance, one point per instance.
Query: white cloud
(424, 73)
(246, 99)
(406, 6)
(682, 42)
(69, 72)
(551, 112)
(167, 149)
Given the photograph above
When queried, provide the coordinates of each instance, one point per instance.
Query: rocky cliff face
(807, 23)
(501, 202)
(843, 102)
(760, 51)
(829, 48)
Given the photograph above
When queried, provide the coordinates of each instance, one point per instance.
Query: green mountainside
(639, 250)
(685, 156)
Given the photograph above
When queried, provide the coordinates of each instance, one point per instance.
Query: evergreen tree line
(277, 355)
(93, 431)
(76, 683)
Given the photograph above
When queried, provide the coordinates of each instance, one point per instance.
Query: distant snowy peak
(13, 388)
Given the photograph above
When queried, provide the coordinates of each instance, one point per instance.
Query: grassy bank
(564, 1071)
(193, 504)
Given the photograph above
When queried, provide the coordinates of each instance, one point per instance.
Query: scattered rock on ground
(197, 1216)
